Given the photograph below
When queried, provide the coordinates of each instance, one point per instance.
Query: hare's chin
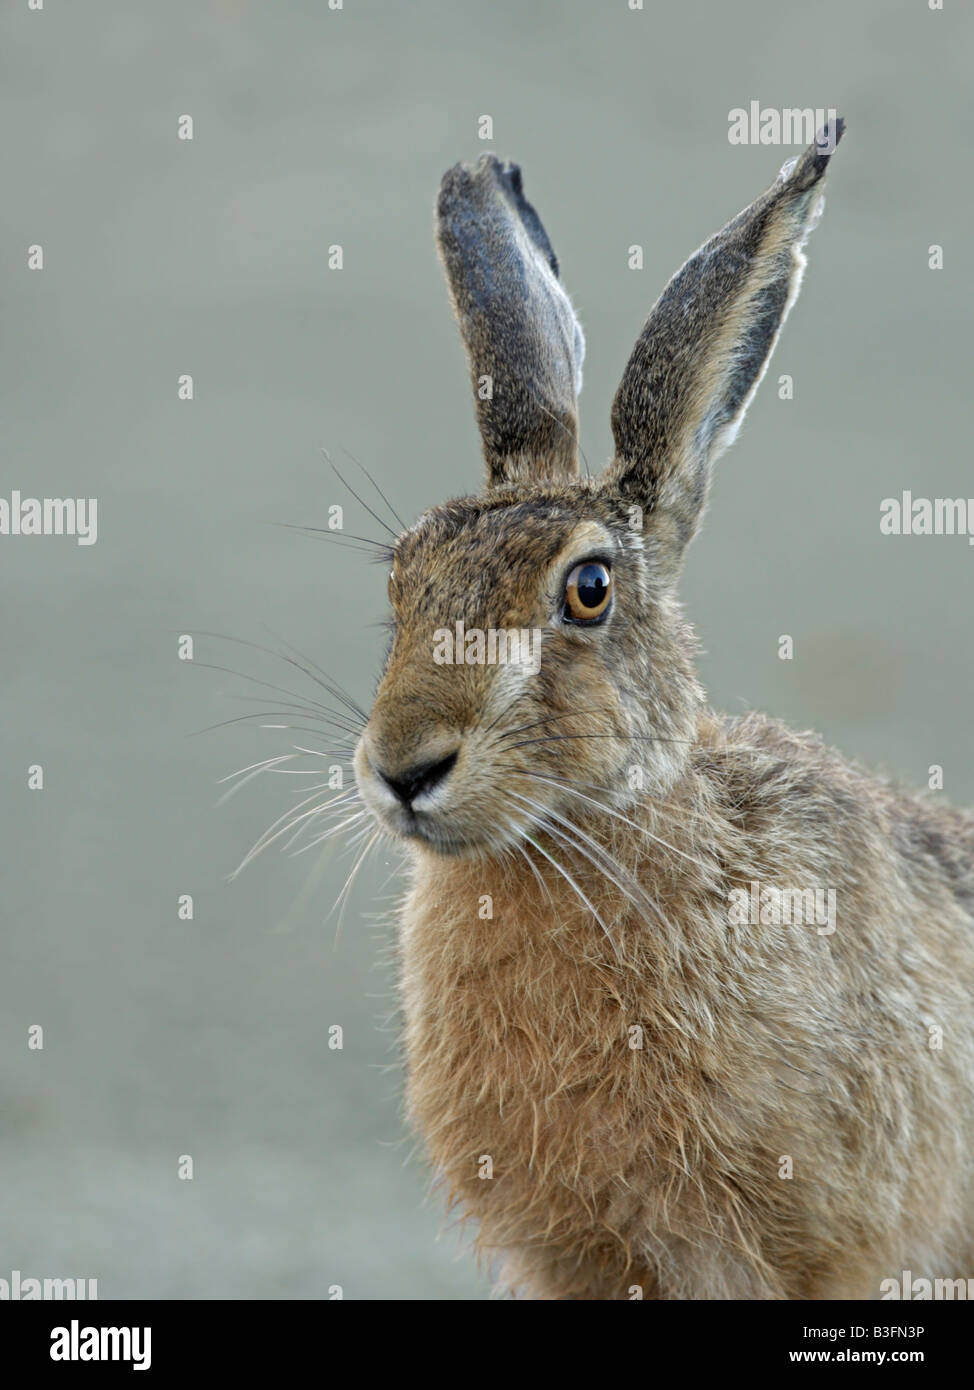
(435, 831)
(422, 829)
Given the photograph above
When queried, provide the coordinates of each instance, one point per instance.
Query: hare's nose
(421, 777)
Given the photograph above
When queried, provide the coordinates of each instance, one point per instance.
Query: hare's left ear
(705, 347)
(523, 341)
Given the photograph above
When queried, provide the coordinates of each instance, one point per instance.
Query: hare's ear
(523, 341)
(705, 347)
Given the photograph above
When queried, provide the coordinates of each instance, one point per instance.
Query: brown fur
(656, 1167)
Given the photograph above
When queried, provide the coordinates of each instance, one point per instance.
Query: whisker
(595, 854)
(269, 685)
(496, 721)
(323, 679)
(248, 774)
(318, 752)
(375, 515)
(572, 884)
(542, 824)
(342, 898)
(315, 711)
(560, 738)
(344, 752)
(336, 534)
(610, 811)
(332, 830)
(270, 714)
(355, 819)
(259, 767)
(272, 833)
(378, 489)
(320, 676)
(343, 538)
(548, 719)
(319, 786)
(534, 869)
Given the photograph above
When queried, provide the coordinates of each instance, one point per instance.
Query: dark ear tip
(469, 181)
(504, 172)
(490, 188)
(511, 174)
(813, 162)
(829, 136)
(488, 162)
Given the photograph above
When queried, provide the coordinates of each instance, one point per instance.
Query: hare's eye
(588, 592)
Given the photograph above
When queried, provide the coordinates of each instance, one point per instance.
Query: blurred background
(315, 127)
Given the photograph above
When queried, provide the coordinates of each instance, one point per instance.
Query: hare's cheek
(513, 686)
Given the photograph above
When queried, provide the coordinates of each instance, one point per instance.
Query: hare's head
(539, 654)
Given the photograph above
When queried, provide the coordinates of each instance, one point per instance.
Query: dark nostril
(422, 777)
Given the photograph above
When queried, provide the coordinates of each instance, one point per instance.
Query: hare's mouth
(447, 832)
(437, 836)
(433, 831)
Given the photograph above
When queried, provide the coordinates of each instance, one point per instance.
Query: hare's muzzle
(408, 793)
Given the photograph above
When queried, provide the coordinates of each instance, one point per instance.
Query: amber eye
(588, 592)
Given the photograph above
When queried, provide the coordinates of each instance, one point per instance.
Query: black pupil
(593, 581)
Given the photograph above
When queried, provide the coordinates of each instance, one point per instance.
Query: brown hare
(635, 1068)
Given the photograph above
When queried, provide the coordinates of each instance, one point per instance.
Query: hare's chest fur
(563, 1104)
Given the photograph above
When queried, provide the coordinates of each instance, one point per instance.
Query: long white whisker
(596, 855)
(571, 882)
(534, 869)
(269, 835)
(255, 767)
(326, 834)
(610, 811)
(299, 830)
(342, 898)
(248, 774)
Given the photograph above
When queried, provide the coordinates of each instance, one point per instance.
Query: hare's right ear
(523, 341)
(705, 347)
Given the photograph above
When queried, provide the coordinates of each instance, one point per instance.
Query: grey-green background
(312, 127)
